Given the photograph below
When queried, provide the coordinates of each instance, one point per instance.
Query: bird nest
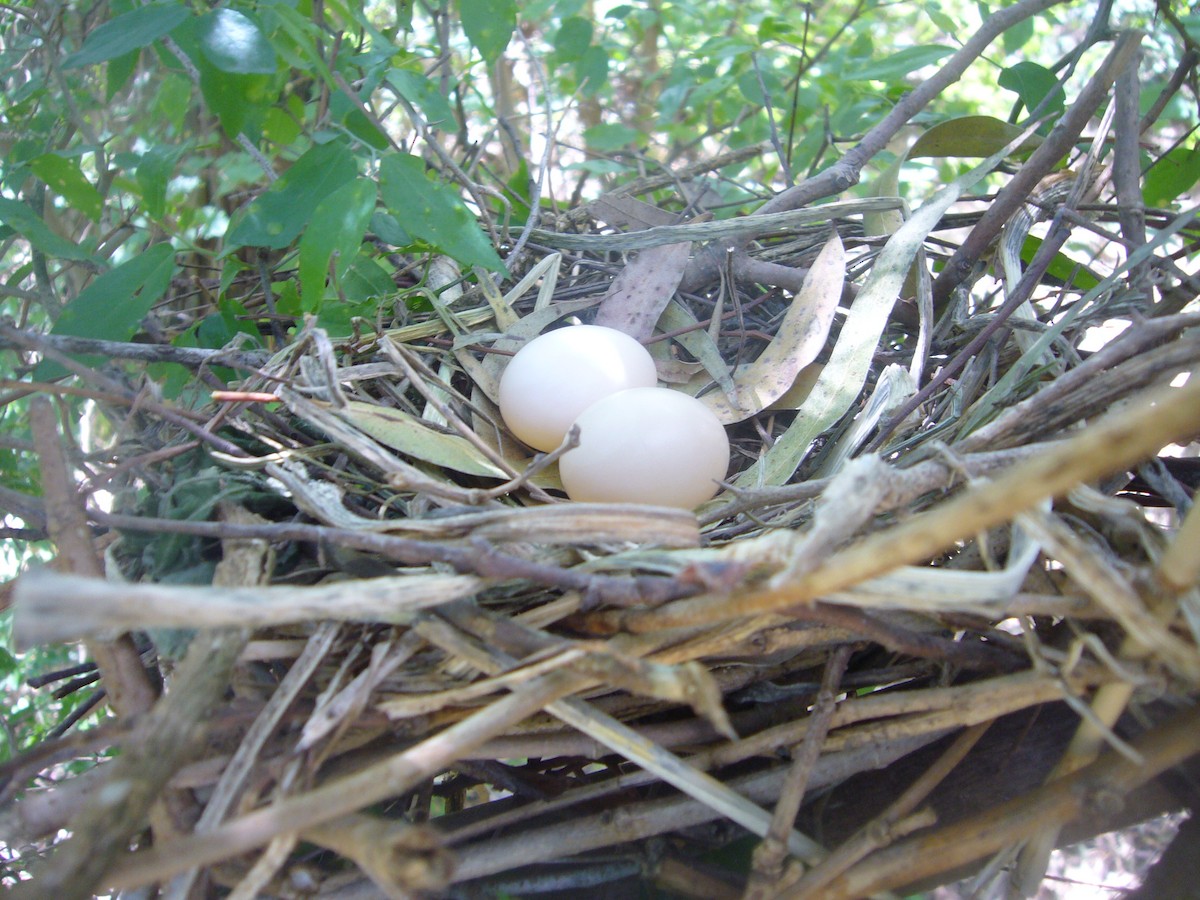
(950, 556)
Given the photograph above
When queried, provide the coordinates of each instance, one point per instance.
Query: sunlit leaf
(1172, 175)
(233, 42)
(1033, 84)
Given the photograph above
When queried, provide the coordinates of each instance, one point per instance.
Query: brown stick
(122, 673)
(1057, 144)
(1101, 785)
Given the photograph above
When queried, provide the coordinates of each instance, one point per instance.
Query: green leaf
(1062, 267)
(277, 217)
(233, 42)
(607, 137)
(25, 221)
(431, 211)
(419, 90)
(900, 63)
(1034, 83)
(489, 25)
(119, 70)
(1172, 175)
(591, 70)
(573, 38)
(236, 99)
(337, 226)
(131, 31)
(1018, 35)
(154, 171)
(64, 178)
(112, 306)
(414, 438)
(970, 136)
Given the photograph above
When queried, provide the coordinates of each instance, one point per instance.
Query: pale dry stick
(403, 860)
(635, 821)
(52, 608)
(769, 855)
(345, 795)
(1121, 438)
(624, 740)
(888, 717)
(1179, 568)
(1102, 785)
(885, 828)
(1145, 634)
(235, 772)
(268, 863)
(170, 735)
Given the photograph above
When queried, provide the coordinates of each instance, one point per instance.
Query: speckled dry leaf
(642, 291)
(623, 211)
(799, 339)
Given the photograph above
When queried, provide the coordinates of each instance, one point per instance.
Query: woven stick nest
(398, 662)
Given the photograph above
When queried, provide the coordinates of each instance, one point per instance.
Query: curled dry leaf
(638, 295)
(799, 339)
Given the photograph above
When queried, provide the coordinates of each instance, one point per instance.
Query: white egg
(559, 374)
(646, 445)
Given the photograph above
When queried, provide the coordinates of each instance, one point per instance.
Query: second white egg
(646, 445)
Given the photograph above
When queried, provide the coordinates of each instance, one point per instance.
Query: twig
(1101, 785)
(1121, 438)
(125, 679)
(845, 173)
(769, 855)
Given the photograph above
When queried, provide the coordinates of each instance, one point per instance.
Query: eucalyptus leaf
(970, 136)
(798, 340)
(408, 435)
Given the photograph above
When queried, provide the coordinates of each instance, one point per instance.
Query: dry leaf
(642, 291)
(799, 339)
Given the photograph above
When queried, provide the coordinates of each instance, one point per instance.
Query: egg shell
(646, 445)
(559, 374)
